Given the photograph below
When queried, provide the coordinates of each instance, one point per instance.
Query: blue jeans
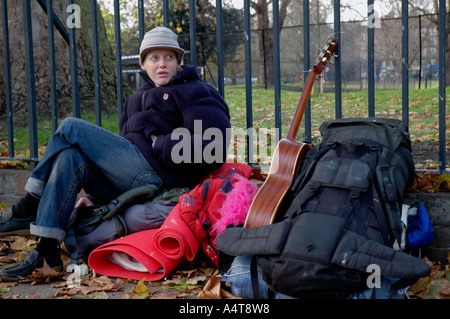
(239, 277)
(81, 155)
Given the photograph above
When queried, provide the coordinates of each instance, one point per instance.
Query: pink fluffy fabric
(235, 207)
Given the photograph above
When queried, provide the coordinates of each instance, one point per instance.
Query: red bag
(188, 227)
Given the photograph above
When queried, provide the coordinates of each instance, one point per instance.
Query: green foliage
(179, 23)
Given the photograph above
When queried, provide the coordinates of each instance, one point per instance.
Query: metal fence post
(6, 55)
(442, 115)
(276, 66)
(219, 34)
(118, 47)
(31, 89)
(193, 33)
(76, 109)
(337, 61)
(51, 58)
(166, 15)
(97, 85)
(248, 79)
(306, 66)
(371, 58)
(141, 20)
(405, 63)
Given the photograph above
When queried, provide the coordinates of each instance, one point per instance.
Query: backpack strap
(386, 178)
(97, 214)
(254, 277)
(380, 216)
(390, 200)
(142, 192)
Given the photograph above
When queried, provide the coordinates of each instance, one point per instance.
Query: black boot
(47, 249)
(17, 218)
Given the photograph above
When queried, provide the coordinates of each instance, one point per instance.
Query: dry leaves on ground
(186, 282)
(436, 285)
(431, 183)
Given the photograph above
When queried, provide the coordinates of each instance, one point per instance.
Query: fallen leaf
(3, 247)
(8, 259)
(213, 290)
(445, 289)
(44, 274)
(442, 182)
(62, 284)
(434, 286)
(102, 283)
(18, 244)
(120, 281)
(434, 289)
(23, 244)
(420, 287)
(140, 287)
(21, 255)
(3, 207)
(66, 292)
(98, 295)
(180, 285)
(424, 183)
(196, 280)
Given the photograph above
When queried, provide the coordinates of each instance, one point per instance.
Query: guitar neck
(301, 106)
(320, 63)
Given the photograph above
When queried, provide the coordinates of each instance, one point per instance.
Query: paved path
(184, 283)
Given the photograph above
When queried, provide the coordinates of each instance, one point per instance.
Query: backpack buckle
(354, 193)
(373, 147)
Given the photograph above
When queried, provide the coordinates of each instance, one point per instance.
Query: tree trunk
(265, 39)
(62, 61)
(447, 44)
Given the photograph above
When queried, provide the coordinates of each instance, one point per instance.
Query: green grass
(423, 109)
(423, 113)
(45, 131)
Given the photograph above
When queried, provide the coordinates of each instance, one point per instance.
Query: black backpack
(343, 217)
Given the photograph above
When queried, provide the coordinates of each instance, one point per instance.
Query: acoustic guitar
(268, 201)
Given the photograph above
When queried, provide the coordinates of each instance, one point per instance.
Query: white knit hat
(160, 37)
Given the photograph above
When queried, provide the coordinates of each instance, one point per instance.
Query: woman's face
(161, 65)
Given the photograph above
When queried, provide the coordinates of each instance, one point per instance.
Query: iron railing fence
(404, 69)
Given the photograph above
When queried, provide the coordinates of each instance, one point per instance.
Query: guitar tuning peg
(336, 56)
(331, 62)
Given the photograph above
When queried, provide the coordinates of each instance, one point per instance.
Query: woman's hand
(153, 137)
(84, 201)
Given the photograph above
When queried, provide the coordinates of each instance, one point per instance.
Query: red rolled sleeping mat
(160, 251)
(153, 254)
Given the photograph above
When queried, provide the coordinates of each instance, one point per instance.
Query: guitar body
(269, 199)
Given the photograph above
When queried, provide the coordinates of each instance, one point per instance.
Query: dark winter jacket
(185, 105)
